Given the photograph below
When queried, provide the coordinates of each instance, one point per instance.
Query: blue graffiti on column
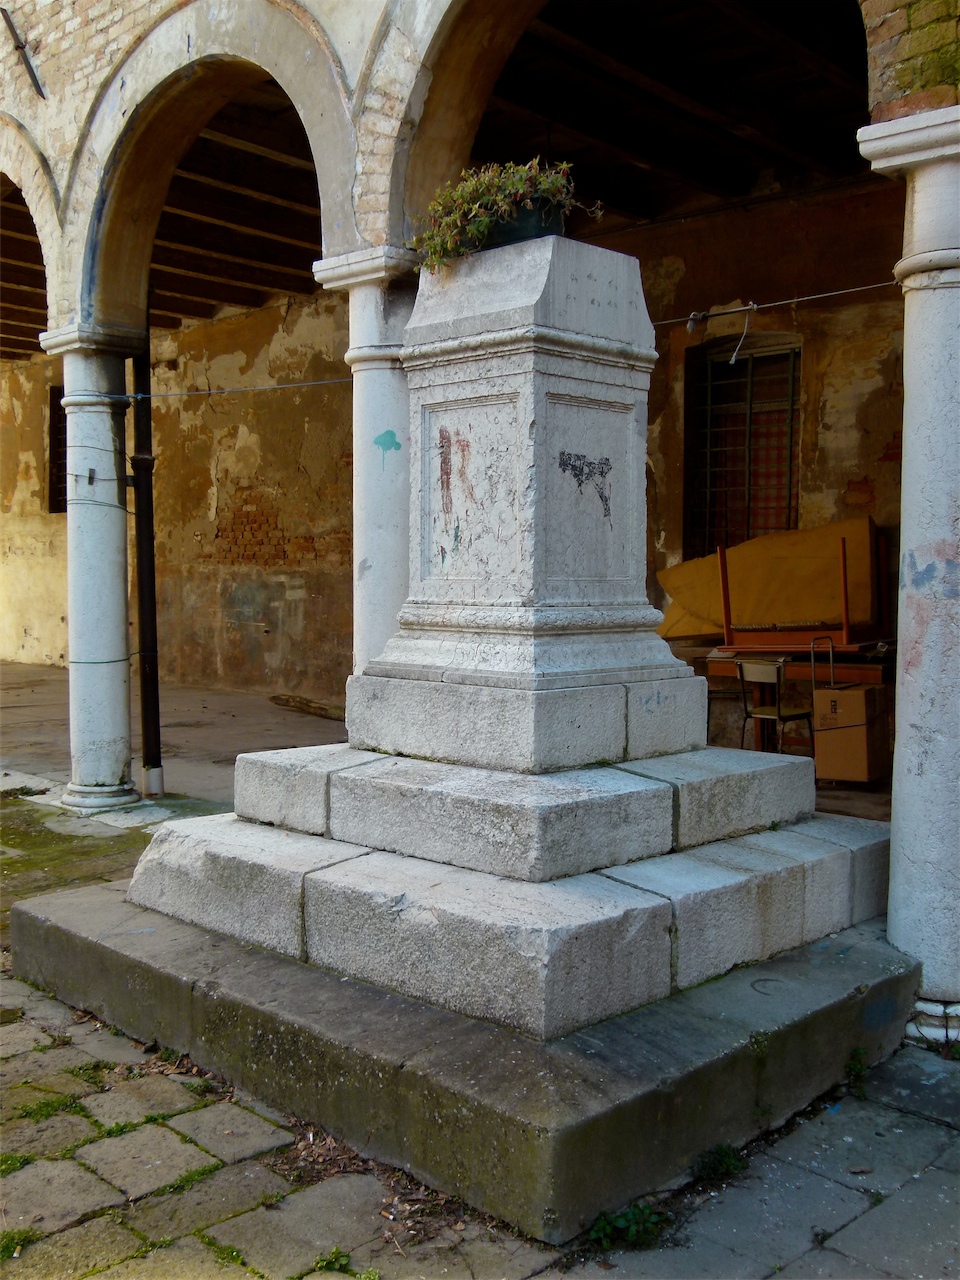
(385, 442)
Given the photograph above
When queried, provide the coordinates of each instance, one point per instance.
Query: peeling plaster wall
(252, 495)
(33, 543)
(851, 390)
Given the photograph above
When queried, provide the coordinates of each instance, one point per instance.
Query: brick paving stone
(226, 1193)
(343, 1211)
(187, 1259)
(886, 1147)
(950, 1159)
(52, 1194)
(141, 1161)
(918, 1081)
(106, 1046)
(19, 1037)
(96, 1243)
(470, 1253)
(912, 1233)
(772, 1213)
(827, 1264)
(46, 1137)
(130, 1101)
(230, 1132)
(704, 1260)
(38, 1067)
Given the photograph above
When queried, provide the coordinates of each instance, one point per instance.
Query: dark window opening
(57, 453)
(742, 448)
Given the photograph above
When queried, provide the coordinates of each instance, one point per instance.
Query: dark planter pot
(529, 224)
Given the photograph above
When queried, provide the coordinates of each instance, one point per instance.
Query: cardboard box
(851, 732)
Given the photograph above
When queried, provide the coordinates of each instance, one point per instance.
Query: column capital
(106, 339)
(895, 146)
(374, 265)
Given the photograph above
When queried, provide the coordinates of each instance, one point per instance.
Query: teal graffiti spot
(386, 441)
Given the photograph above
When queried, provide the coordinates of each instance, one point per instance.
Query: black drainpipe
(142, 462)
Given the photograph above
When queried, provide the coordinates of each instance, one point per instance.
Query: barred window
(742, 448)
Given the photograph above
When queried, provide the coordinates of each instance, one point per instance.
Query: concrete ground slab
(700, 1260)
(342, 1212)
(230, 1133)
(826, 1264)
(21, 1037)
(719, 792)
(14, 1099)
(50, 1070)
(46, 1137)
(187, 1259)
(130, 1101)
(227, 1192)
(523, 826)
(775, 1212)
(913, 1233)
(543, 958)
(51, 1194)
(864, 1146)
(105, 1046)
(141, 1161)
(950, 1158)
(919, 1082)
(546, 1134)
(76, 1252)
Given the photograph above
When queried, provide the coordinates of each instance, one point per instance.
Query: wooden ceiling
(667, 108)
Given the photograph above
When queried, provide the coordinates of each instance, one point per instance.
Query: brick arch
(179, 75)
(25, 164)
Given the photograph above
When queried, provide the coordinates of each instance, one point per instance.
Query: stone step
(544, 958)
(544, 1134)
(525, 826)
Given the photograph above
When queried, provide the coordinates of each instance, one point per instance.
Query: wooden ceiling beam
(770, 34)
(13, 350)
(23, 315)
(264, 176)
(235, 213)
(222, 268)
(22, 273)
(240, 244)
(246, 192)
(187, 285)
(178, 305)
(754, 140)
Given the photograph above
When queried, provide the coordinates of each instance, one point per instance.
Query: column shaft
(97, 581)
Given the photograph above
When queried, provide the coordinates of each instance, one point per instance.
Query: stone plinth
(527, 627)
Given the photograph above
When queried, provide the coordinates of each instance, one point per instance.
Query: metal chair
(769, 672)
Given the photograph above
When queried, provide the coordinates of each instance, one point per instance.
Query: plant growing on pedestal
(489, 202)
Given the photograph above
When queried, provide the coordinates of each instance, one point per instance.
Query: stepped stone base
(546, 1135)
(545, 958)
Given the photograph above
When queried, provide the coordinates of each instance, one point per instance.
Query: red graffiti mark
(463, 475)
(446, 497)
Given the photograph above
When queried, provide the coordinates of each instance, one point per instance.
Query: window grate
(743, 450)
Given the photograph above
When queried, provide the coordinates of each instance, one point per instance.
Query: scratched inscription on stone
(470, 484)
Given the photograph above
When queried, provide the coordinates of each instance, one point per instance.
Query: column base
(934, 1024)
(91, 799)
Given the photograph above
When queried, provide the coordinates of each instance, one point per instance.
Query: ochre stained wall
(851, 344)
(33, 543)
(252, 497)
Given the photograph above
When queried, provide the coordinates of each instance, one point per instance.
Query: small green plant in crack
(639, 1225)
(876, 1197)
(760, 1044)
(719, 1163)
(92, 1073)
(187, 1180)
(11, 1242)
(11, 1161)
(44, 1108)
(223, 1253)
(857, 1072)
(119, 1129)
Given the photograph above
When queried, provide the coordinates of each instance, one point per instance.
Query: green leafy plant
(720, 1162)
(12, 1241)
(857, 1072)
(639, 1225)
(11, 1161)
(462, 214)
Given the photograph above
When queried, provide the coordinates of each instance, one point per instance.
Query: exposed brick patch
(913, 54)
(250, 532)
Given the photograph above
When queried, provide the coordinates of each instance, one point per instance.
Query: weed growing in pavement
(119, 1129)
(223, 1253)
(719, 1163)
(44, 1108)
(187, 1180)
(92, 1073)
(639, 1225)
(857, 1072)
(11, 1161)
(11, 1242)
(338, 1260)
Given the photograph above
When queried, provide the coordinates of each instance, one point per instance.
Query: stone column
(379, 309)
(924, 908)
(527, 641)
(97, 587)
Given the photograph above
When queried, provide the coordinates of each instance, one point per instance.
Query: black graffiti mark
(584, 470)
